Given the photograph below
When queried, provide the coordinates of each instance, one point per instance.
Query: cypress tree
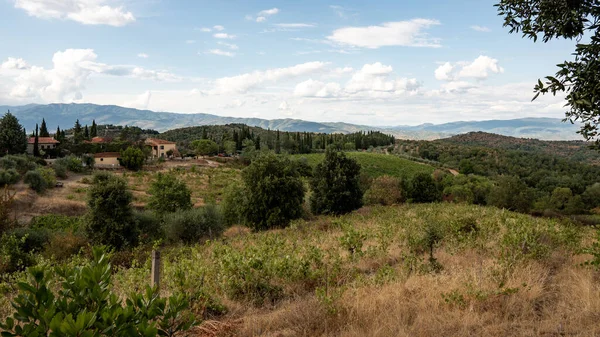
(36, 143)
(57, 134)
(86, 133)
(94, 129)
(77, 132)
(44, 129)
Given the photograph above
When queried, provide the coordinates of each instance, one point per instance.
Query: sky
(380, 63)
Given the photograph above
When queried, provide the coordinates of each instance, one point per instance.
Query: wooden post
(155, 276)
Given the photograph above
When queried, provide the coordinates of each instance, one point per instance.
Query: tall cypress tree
(86, 133)
(94, 129)
(36, 143)
(57, 134)
(44, 129)
(77, 132)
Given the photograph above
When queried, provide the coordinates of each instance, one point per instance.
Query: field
(375, 165)
(493, 273)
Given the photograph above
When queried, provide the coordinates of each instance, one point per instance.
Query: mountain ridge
(65, 114)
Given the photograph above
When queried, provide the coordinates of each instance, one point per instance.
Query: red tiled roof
(43, 140)
(107, 155)
(156, 141)
(97, 140)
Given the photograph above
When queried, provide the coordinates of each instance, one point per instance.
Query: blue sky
(378, 63)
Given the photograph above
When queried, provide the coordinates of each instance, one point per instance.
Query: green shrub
(511, 193)
(49, 176)
(110, 219)
(169, 194)
(12, 255)
(423, 188)
(9, 177)
(33, 239)
(192, 225)
(232, 207)
(56, 222)
(72, 163)
(335, 185)
(86, 306)
(352, 240)
(60, 170)
(132, 158)
(63, 245)
(384, 190)
(7, 163)
(149, 225)
(36, 181)
(275, 192)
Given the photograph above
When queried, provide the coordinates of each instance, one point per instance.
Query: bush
(60, 170)
(275, 192)
(36, 181)
(56, 222)
(512, 194)
(168, 194)
(32, 240)
(72, 163)
(64, 245)
(7, 163)
(132, 158)
(149, 225)
(49, 176)
(422, 188)
(110, 219)
(384, 190)
(232, 207)
(336, 185)
(86, 306)
(9, 177)
(205, 147)
(192, 225)
(12, 255)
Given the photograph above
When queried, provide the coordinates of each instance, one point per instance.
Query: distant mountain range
(66, 114)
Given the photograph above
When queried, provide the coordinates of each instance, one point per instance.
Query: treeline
(238, 136)
(531, 181)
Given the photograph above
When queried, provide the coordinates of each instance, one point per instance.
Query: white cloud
(220, 52)
(268, 12)
(219, 28)
(343, 12)
(143, 55)
(66, 81)
(224, 36)
(480, 68)
(480, 29)
(89, 12)
(443, 72)
(402, 33)
(228, 45)
(14, 64)
(140, 102)
(261, 19)
(205, 30)
(284, 106)
(295, 25)
(244, 82)
(312, 88)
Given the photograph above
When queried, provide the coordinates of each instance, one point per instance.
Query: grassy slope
(375, 164)
(511, 275)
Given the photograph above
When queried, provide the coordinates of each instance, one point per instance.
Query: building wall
(108, 161)
(42, 147)
(162, 149)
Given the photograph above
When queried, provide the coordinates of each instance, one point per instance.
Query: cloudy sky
(368, 62)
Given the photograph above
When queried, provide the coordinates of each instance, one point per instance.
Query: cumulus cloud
(402, 33)
(140, 102)
(89, 12)
(479, 69)
(312, 88)
(218, 28)
(224, 36)
(228, 45)
(261, 19)
(268, 12)
(244, 82)
(295, 25)
(220, 52)
(143, 55)
(482, 29)
(14, 64)
(205, 30)
(262, 15)
(71, 69)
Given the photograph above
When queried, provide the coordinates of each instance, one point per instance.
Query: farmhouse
(160, 147)
(107, 159)
(44, 143)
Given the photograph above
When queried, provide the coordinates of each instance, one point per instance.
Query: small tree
(44, 129)
(132, 158)
(511, 193)
(168, 194)
(423, 188)
(274, 192)
(110, 218)
(336, 185)
(36, 143)
(205, 147)
(13, 139)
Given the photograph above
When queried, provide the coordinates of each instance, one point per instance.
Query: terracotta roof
(97, 140)
(43, 140)
(156, 141)
(107, 155)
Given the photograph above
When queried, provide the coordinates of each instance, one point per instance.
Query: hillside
(66, 114)
(579, 151)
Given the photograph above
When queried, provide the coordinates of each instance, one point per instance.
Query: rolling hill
(65, 115)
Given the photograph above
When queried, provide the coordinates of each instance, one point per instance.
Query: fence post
(155, 276)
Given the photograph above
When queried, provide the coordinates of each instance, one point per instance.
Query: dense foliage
(13, 139)
(168, 194)
(578, 78)
(335, 185)
(132, 158)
